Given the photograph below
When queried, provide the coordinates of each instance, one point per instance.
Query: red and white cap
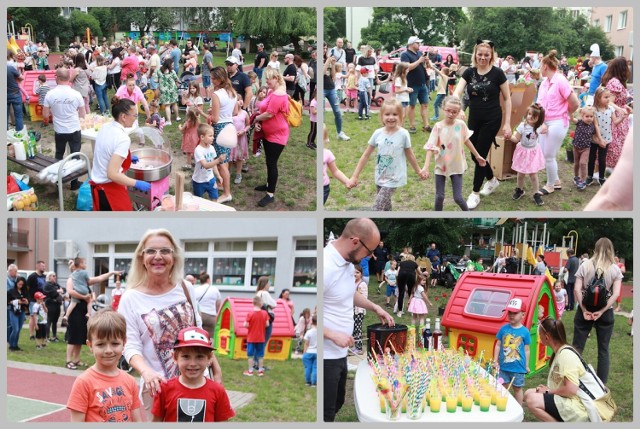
(39, 295)
(193, 337)
(516, 306)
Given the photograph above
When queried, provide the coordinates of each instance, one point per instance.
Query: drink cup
(501, 402)
(467, 403)
(452, 403)
(485, 402)
(435, 403)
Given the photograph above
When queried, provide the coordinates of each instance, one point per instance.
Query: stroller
(185, 80)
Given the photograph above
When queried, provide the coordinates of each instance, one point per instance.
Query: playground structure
(476, 311)
(230, 337)
(527, 243)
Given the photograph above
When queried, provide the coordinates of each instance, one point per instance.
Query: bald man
(67, 107)
(358, 239)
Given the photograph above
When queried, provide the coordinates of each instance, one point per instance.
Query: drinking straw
(511, 382)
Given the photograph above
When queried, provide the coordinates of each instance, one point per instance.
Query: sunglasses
(488, 42)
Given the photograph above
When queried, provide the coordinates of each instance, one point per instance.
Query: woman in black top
(18, 304)
(53, 301)
(407, 271)
(484, 84)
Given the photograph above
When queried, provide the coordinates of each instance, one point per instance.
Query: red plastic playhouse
(475, 312)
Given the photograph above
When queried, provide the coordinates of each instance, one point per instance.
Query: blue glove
(143, 186)
(134, 159)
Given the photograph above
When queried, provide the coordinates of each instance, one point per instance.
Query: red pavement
(43, 386)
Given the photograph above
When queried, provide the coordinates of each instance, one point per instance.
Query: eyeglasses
(164, 251)
(364, 245)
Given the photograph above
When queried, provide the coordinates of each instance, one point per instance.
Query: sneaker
(399, 314)
(238, 179)
(167, 124)
(343, 136)
(245, 168)
(266, 200)
(32, 338)
(433, 119)
(38, 347)
(260, 373)
(258, 153)
(518, 193)
(248, 373)
(589, 181)
(178, 119)
(360, 118)
(473, 200)
(601, 181)
(367, 117)
(538, 199)
(489, 187)
(207, 100)
(576, 180)
(581, 185)
(312, 146)
(412, 130)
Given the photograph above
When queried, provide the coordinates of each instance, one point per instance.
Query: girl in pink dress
(240, 153)
(190, 138)
(528, 158)
(418, 303)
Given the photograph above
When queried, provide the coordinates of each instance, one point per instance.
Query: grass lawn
(620, 373)
(293, 402)
(420, 195)
(296, 182)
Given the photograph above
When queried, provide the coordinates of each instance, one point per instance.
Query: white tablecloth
(367, 405)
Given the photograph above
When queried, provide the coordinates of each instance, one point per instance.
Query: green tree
(80, 21)
(274, 26)
(392, 26)
(46, 21)
(335, 23)
(145, 18)
(106, 18)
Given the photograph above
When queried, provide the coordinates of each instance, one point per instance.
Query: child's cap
(515, 306)
(39, 295)
(193, 337)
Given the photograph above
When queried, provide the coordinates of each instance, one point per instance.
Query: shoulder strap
(587, 368)
(205, 292)
(188, 295)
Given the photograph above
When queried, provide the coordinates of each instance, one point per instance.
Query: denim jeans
(437, 104)
(103, 100)
(363, 103)
(335, 384)
(16, 320)
(16, 102)
(310, 362)
(330, 95)
(604, 330)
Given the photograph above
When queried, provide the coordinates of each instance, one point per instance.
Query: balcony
(18, 240)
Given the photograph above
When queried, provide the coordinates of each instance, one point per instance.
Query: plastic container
(383, 338)
(18, 148)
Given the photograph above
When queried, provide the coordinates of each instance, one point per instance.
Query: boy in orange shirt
(104, 393)
(257, 321)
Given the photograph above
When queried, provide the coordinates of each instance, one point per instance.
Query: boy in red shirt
(192, 397)
(257, 321)
(104, 393)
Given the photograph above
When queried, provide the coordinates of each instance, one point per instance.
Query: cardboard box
(522, 96)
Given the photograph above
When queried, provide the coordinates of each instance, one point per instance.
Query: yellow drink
(435, 403)
(501, 402)
(467, 403)
(452, 403)
(485, 402)
(494, 395)
(476, 396)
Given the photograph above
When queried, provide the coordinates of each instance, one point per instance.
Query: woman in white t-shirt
(209, 302)
(114, 70)
(262, 290)
(111, 158)
(157, 304)
(273, 61)
(223, 106)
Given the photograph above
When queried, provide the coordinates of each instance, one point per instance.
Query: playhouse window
(488, 303)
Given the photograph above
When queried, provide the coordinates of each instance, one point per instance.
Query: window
(619, 51)
(607, 23)
(487, 302)
(622, 20)
(305, 263)
(596, 23)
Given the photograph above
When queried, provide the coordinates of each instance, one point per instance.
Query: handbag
(227, 137)
(384, 88)
(595, 396)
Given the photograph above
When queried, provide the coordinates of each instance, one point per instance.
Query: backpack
(294, 117)
(596, 294)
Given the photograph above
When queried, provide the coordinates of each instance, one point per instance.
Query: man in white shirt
(357, 240)
(67, 107)
(339, 54)
(238, 54)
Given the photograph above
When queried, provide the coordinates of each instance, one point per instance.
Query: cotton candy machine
(153, 166)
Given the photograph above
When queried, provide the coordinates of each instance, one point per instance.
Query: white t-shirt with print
(337, 304)
(207, 154)
(391, 161)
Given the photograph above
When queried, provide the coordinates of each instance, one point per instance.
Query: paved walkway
(38, 393)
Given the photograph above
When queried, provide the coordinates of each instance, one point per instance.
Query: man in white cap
(240, 81)
(417, 81)
(598, 69)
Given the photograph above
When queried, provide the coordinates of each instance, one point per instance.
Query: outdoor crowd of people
(161, 80)
(473, 100)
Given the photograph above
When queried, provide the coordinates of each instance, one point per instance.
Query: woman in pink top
(272, 120)
(559, 101)
(130, 91)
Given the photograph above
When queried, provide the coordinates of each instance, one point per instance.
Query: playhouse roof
(31, 77)
(490, 291)
(240, 307)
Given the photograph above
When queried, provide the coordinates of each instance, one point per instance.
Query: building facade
(617, 23)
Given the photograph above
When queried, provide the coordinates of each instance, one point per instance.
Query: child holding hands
(329, 161)
(446, 142)
(583, 136)
(528, 158)
(394, 148)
